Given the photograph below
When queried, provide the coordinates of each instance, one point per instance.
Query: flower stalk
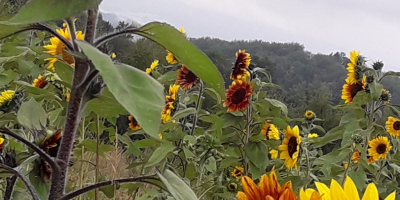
(196, 114)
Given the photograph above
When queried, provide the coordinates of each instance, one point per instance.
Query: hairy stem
(97, 155)
(23, 179)
(91, 25)
(72, 32)
(82, 151)
(197, 108)
(139, 179)
(247, 136)
(10, 187)
(348, 167)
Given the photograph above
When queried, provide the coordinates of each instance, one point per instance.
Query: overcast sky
(372, 27)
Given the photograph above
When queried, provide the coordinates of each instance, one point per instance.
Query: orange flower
(238, 96)
(268, 189)
(356, 156)
(241, 65)
(186, 78)
(134, 125)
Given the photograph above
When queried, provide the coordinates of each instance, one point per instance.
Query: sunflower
(392, 126)
(6, 96)
(370, 160)
(152, 66)
(1, 143)
(50, 146)
(352, 67)
(40, 82)
(379, 148)
(182, 31)
(160, 135)
(238, 96)
(186, 78)
(385, 97)
(309, 115)
(58, 48)
(350, 90)
(67, 96)
(238, 172)
(270, 131)
(134, 125)
(173, 90)
(309, 194)
(349, 191)
(290, 147)
(268, 189)
(166, 112)
(171, 58)
(274, 153)
(356, 156)
(312, 135)
(113, 55)
(241, 64)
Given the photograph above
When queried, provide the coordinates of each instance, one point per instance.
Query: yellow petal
(250, 188)
(350, 189)
(371, 193)
(323, 190)
(241, 196)
(391, 196)
(303, 195)
(337, 192)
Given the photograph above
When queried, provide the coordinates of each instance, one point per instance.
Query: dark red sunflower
(186, 78)
(40, 82)
(50, 145)
(241, 64)
(134, 125)
(238, 95)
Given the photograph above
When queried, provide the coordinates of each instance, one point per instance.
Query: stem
(308, 162)
(247, 136)
(54, 167)
(91, 25)
(197, 108)
(10, 187)
(139, 179)
(110, 36)
(97, 155)
(23, 179)
(348, 167)
(72, 32)
(83, 151)
(381, 162)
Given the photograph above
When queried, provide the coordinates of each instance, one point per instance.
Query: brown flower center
(381, 149)
(292, 146)
(238, 173)
(67, 57)
(191, 77)
(396, 125)
(355, 88)
(238, 96)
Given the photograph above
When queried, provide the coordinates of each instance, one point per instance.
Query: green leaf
(33, 11)
(318, 128)
(211, 164)
(160, 153)
(91, 145)
(361, 98)
(195, 60)
(145, 143)
(183, 113)
(32, 115)
(214, 94)
(40, 185)
(64, 71)
(138, 93)
(168, 78)
(257, 153)
(179, 189)
(332, 135)
(376, 90)
(105, 105)
(278, 104)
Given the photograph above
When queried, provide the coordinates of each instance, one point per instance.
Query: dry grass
(112, 166)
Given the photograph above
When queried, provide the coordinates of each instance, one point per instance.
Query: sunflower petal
(371, 193)
(350, 189)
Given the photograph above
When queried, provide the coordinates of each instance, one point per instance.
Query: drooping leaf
(138, 93)
(183, 113)
(160, 153)
(106, 105)
(179, 189)
(168, 78)
(376, 90)
(33, 11)
(278, 104)
(31, 114)
(185, 52)
(64, 71)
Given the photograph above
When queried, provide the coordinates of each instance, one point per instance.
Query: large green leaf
(32, 115)
(185, 52)
(179, 189)
(160, 153)
(46, 10)
(136, 91)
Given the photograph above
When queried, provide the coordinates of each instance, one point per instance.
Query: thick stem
(197, 108)
(72, 32)
(10, 187)
(54, 167)
(139, 179)
(23, 179)
(91, 25)
(82, 151)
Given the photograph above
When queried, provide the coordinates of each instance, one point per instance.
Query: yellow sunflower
(166, 112)
(152, 66)
(309, 194)
(356, 156)
(290, 147)
(393, 127)
(171, 58)
(40, 82)
(173, 90)
(268, 189)
(379, 148)
(58, 48)
(385, 96)
(312, 135)
(350, 90)
(274, 154)
(6, 96)
(238, 172)
(113, 55)
(134, 125)
(270, 131)
(352, 67)
(309, 115)
(1, 143)
(348, 192)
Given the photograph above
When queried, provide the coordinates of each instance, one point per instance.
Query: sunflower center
(381, 149)
(67, 57)
(355, 88)
(238, 173)
(292, 146)
(191, 77)
(238, 96)
(396, 125)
